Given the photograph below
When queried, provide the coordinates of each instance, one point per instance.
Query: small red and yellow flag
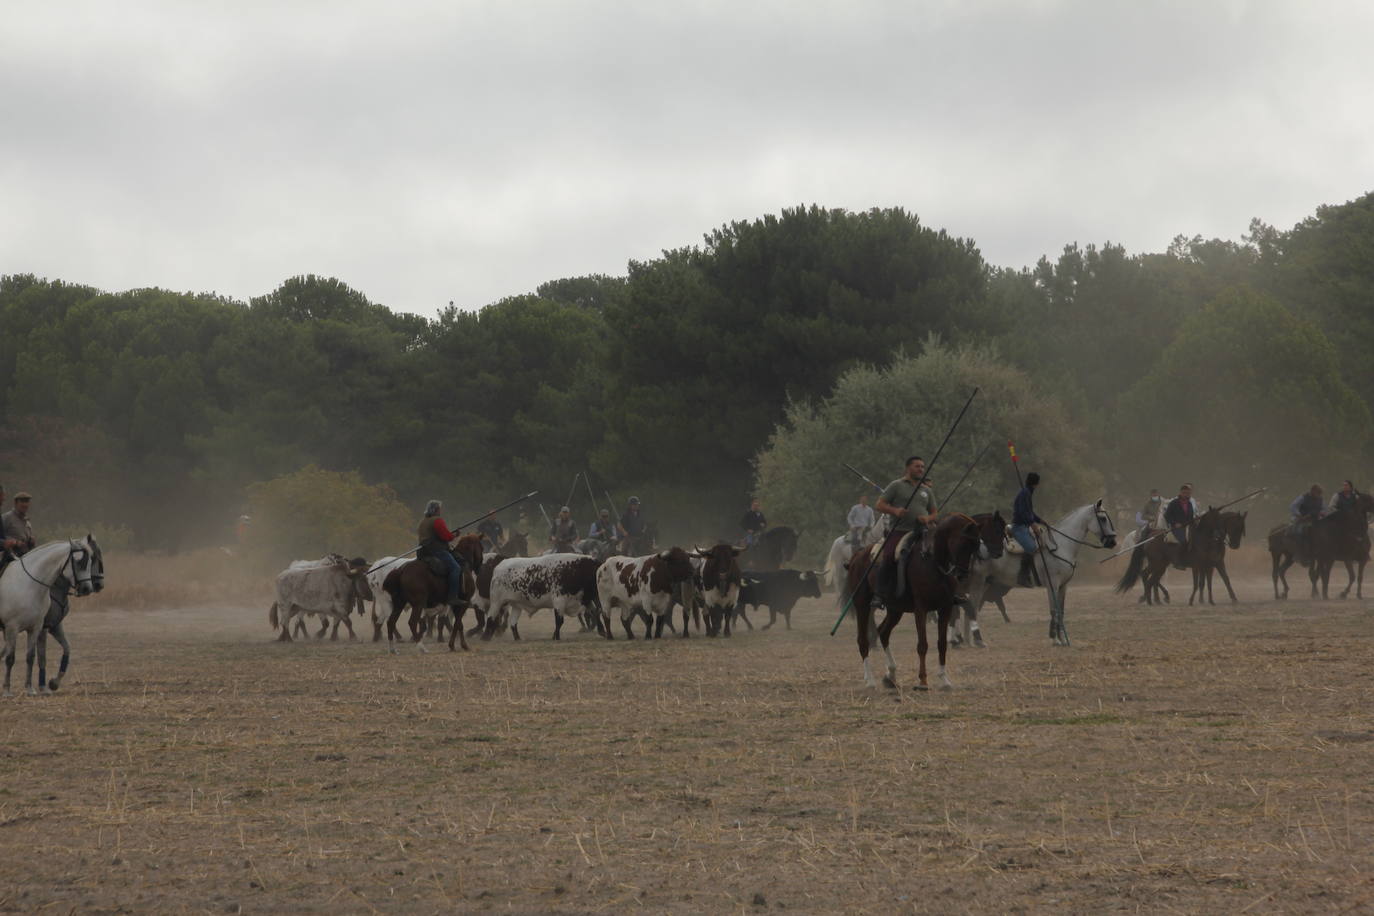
(1011, 447)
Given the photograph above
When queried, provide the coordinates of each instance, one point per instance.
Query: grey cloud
(427, 152)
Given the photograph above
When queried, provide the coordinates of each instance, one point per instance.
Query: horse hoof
(919, 687)
(889, 683)
(52, 686)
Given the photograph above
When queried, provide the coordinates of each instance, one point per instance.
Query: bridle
(75, 549)
(1103, 523)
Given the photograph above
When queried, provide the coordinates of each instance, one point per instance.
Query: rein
(72, 548)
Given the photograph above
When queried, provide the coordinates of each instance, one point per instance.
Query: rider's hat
(634, 500)
(21, 496)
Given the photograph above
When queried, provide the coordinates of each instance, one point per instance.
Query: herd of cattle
(706, 583)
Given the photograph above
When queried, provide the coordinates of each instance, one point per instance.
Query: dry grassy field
(1217, 760)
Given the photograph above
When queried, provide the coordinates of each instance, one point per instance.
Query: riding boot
(885, 584)
(1025, 577)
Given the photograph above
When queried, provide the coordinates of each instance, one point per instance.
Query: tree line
(155, 413)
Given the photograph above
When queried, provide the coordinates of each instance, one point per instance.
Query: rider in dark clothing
(631, 524)
(1306, 509)
(753, 523)
(434, 538)
(1023, 520)
(1178, 515)
(491, 531)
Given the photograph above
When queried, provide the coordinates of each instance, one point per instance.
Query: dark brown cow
(720, 582)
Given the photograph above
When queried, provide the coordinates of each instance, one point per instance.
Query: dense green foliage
(875, 414)
(153, 413)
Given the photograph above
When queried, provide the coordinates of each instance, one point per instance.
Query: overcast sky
(426, 152)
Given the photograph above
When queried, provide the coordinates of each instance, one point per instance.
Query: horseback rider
(753, 523)
(435, 537)
(563, 532)
(1347, 499)
(602, 529)
(911, 504)
(1179, 516)
(632, 524)
(1023, 522)
(859, 520)
(15, 528)
(1306, 509)
(491, 531)
(1151, 516)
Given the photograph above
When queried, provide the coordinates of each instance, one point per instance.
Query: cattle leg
(324, 627)
(772, 618)
(558, 626)
(743, 615)
(662, 619)
(625, 622)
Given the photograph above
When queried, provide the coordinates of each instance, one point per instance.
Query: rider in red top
(434, 540)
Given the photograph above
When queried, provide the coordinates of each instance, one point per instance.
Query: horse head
(1106, 531)
(957, 542)
(992, 528)
(88, 566)
(468, 550)
(1234, 525)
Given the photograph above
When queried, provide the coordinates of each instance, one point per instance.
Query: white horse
(33, 600)
(1058, 551)
(842, 550)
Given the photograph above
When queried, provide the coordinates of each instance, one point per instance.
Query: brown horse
(1211, 556)
(1150, 560)
(415, 584)
(931, 583)
(992, 528)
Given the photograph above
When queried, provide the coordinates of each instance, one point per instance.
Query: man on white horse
(1151, 516)
(16, 532)
(859, 520)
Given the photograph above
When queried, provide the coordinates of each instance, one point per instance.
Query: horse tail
(272, 615)
(1133, 570)
(830, 566)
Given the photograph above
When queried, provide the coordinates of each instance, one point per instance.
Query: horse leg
(42, 659)
(31, 651)
(1061, 630)
(976, 631)
(863, 619)
(942, 644)
(11, 644)
(60, 634)
(393, 636)
(922, 645)
(1350, 578)
(885, 637)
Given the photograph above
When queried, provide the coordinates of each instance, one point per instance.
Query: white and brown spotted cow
(565, 582)
(720, 581)
(328, 587)
(646, 586)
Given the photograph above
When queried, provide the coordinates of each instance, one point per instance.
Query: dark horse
(517, 545)
(930, 586)
(1150, 560)
(420, 587)
(1211, 556)
(992, 528)
(771, 549)
(1341, 537)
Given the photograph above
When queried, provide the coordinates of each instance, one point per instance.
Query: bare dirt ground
(1218, 760)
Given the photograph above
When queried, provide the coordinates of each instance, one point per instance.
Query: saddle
(435, 565)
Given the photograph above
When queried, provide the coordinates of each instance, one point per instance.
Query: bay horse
(29, 602)
(1152, 559)
(1212, 556)
(930, 582)
(771, 549)
(517, 545)
(416, 585)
